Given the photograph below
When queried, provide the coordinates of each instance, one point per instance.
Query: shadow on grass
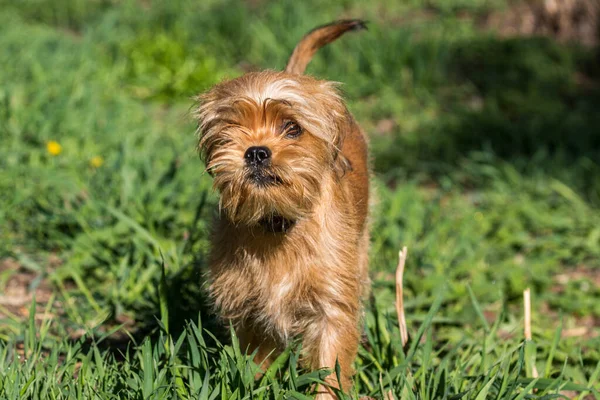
(518, 98)
(186, 301)
(185, 298)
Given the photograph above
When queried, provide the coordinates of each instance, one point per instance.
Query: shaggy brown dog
(289, 251)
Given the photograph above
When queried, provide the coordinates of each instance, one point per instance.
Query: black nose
(257, 155)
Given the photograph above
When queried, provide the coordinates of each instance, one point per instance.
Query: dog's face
(268, 139)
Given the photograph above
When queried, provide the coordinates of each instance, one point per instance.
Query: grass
(487, 160)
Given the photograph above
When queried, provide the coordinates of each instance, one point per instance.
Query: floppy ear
(207, 113)
(203, 114)
(341, 165)
(335, 120)
(201, 143)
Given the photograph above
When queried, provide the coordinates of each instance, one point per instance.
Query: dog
(289, 254)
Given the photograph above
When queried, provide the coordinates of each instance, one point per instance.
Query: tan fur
(316, 39)
(306, 281)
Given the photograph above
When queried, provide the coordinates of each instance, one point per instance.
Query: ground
(486, 149)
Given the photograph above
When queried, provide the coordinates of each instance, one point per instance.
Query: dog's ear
(206, 113)
(341, 165)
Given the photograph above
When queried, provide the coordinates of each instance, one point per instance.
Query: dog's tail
(318, 38)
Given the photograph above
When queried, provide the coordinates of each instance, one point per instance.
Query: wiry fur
(318, 38)
(306, 281)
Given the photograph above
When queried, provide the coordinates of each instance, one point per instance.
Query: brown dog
(289, 251)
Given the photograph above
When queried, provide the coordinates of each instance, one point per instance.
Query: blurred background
(484, 122)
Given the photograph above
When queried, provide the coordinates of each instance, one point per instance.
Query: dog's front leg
(251, 341)
(329, 340)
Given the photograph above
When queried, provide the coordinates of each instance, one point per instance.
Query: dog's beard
(263, 177)
(265, 196)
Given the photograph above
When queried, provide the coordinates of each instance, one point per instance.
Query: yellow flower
(54, 148)
(96, 161)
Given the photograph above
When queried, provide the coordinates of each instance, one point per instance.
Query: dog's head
(269, 139)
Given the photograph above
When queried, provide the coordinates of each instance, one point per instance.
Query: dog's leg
(330, 340)
(250, 342)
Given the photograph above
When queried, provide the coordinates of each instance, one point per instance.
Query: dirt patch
(581, 272)
(18, 288)
(583, 326)
(576, 21)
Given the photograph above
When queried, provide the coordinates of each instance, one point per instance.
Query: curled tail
(318, 38)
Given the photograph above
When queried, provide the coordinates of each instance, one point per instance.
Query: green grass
(487, 159)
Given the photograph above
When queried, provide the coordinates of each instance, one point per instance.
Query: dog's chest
(282, 286)
(283, 296)
(281, 304)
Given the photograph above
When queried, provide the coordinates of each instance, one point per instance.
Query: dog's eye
(292, 130)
